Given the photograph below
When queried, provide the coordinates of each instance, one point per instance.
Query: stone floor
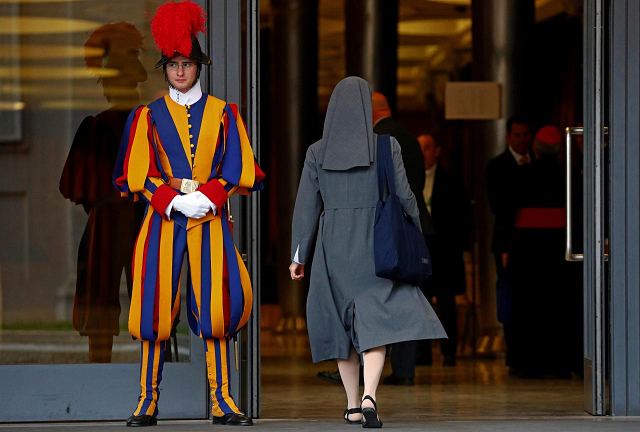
(473, 390)
(476, 395)
(497, 425)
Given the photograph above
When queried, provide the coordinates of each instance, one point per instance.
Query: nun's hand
(296, 270)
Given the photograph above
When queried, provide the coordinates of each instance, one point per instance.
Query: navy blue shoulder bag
(400, 250)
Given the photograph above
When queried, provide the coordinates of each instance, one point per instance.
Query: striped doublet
(206, 142)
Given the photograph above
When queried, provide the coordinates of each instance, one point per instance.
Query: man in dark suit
(383, 124)
(502, 176)
(551, 291)
(403, 354)
(448, 204)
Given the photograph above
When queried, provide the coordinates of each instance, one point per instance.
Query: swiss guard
(184, 155)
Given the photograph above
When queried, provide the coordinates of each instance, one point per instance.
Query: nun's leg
(350, 374)
(373, 364)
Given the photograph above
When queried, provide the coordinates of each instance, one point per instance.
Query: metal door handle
(568, 254)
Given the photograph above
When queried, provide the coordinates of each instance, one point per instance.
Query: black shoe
(514, 371)
(449, 361)
(530, 374)
(233, 419)
(352, 411)
(424, 361)
(370, 417)
(330, 376)
(563, 375)
(396, 380)
(334, 377)
(141, 420)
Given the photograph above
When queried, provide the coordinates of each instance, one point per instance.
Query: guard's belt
(183, 185)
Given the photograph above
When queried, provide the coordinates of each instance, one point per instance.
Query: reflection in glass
(65, 94)
(107, 243)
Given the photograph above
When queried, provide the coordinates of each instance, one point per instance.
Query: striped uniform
(207, 142)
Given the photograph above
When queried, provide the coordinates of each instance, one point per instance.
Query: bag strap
(385, 166)
(391, 178)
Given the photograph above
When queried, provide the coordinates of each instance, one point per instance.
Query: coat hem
(365, 347)
(394, 340)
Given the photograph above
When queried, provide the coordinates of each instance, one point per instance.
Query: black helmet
(196, 54)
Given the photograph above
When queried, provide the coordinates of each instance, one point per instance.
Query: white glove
(202, 197)
(191, 205)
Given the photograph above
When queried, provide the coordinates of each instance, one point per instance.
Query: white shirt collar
(517, 156)
(192, 96)
(427, 191)
(432, 171)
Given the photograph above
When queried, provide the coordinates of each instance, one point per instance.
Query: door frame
(234, 31)
(593, 194)
(623, 311)
(612, 207)
(251, 371)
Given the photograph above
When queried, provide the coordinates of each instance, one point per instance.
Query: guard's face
(182, 73)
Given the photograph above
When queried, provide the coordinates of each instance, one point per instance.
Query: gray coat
(348, 305)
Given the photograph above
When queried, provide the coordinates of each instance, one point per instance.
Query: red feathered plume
(173, 25)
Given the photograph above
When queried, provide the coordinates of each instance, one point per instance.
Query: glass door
(588, 200)
(611, 207)
(595, 205)
(70, 73)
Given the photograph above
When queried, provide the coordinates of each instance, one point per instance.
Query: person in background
(384, 123)
(448, 205)
(403, 354)
(546, 301)
(503, 187)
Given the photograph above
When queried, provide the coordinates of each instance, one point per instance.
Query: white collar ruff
(192, 95)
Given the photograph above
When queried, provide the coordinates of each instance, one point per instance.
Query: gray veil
(348, 127)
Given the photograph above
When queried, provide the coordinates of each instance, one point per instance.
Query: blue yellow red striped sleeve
(238, 171)
(138, 173)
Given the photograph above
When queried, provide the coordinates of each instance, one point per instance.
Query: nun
(352, 314)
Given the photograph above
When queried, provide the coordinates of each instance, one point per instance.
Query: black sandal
(370, 417)
(352, 411)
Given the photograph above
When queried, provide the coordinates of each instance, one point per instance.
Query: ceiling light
(48, 51)
(405, 73)
(54, 90)
(416, 52)
(468, 2)
(76, 104)
(11, 106)
(39, 1)
(330, 26)
(406, 90)
(434, 27)
(42, 25)
(56, 72)
(454, 2)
